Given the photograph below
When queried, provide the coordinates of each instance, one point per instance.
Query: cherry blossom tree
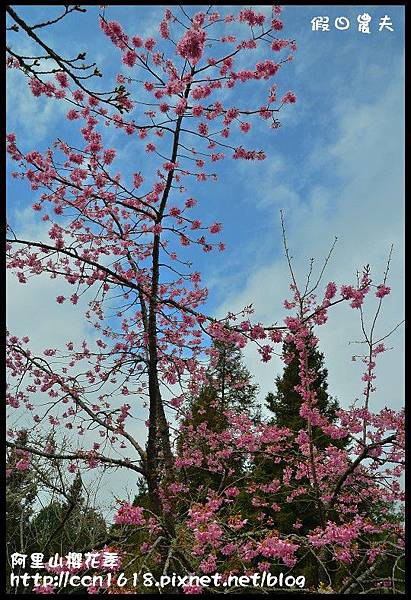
(123, 233)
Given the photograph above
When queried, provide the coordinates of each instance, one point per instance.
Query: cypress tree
(284, 405)
(286, 402)
(229, 387)
(231, 380)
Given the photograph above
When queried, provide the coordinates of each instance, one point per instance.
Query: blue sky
(336, 168)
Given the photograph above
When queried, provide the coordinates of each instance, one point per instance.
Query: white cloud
(32, 310)
(32, 117)
(365, 210)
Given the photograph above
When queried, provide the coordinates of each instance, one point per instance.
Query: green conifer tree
(21, 492)
(284, 405)
(69, 525)
(284, 409)
(231, 381)
(229, 387)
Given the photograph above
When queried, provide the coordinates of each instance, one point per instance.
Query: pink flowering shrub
(130, 515)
